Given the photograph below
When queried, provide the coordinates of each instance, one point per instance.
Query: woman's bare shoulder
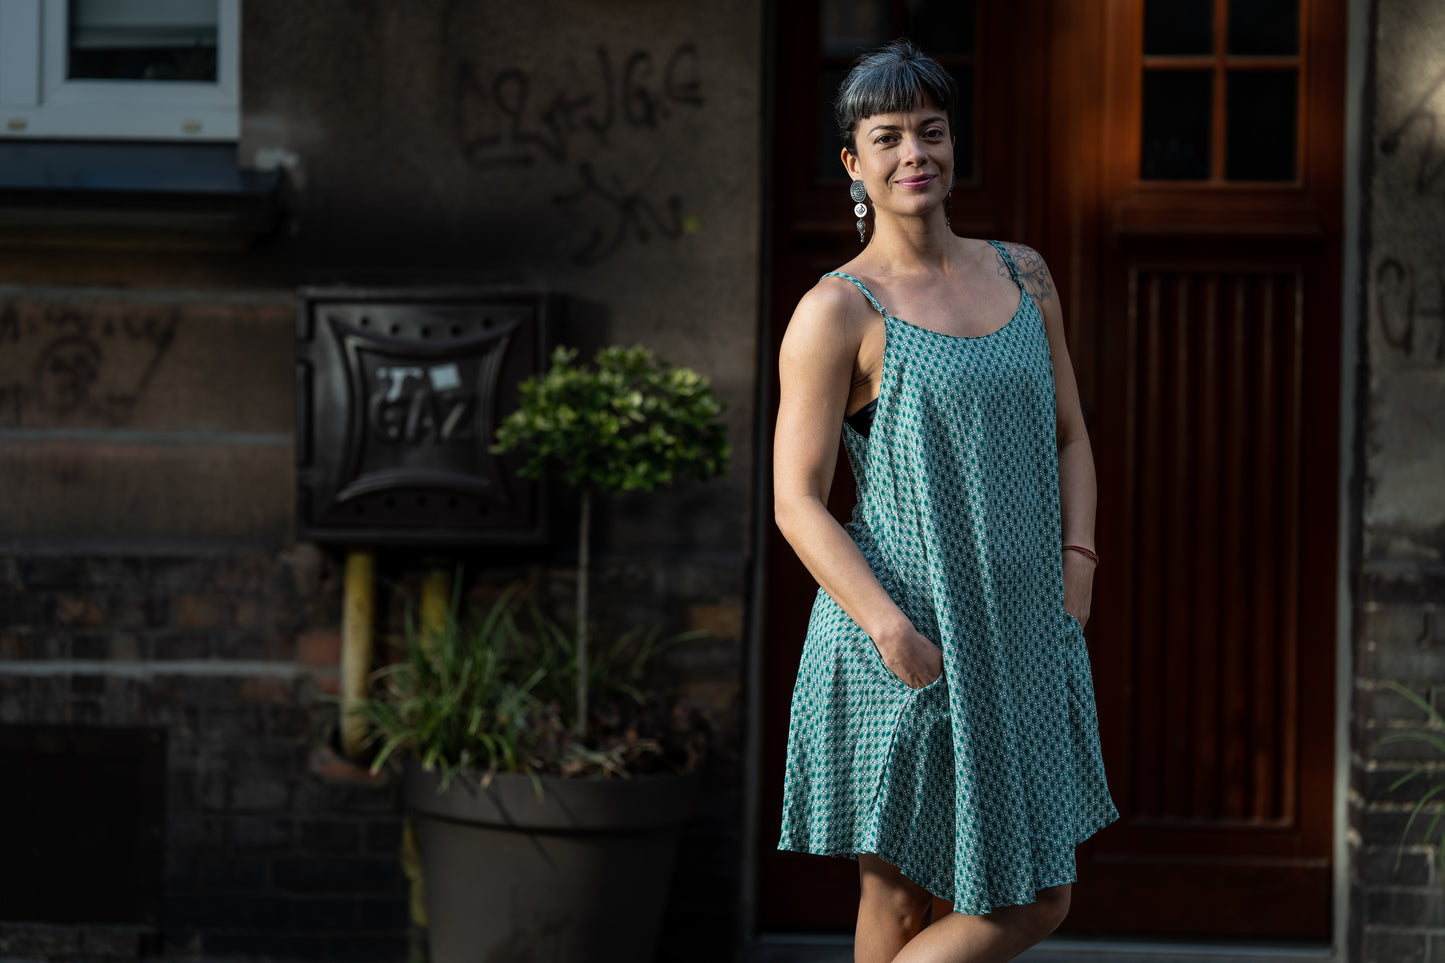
(1033, 272)
(830, 302)
(825, 320)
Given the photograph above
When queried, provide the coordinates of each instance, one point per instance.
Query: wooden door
(1211, 313)
(1200, 287)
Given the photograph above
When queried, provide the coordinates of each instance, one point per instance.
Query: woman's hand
(911, 657)
(1078, 585)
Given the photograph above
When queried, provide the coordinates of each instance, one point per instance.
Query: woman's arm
(815, 368)
(1078, 488)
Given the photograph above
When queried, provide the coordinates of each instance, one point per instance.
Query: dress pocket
(876, 658)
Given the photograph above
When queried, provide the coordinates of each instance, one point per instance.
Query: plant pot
(579, 874)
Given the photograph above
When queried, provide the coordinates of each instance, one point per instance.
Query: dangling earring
(948, 202)
(859, 193)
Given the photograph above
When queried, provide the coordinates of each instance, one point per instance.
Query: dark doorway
(82, 818)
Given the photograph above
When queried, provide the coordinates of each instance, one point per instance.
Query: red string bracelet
(1087, 552)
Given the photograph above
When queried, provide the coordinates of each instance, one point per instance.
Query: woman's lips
(916, 182)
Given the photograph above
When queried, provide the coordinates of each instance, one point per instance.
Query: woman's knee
(1050, 909)
(1031, 922)
(905, 908)
(887, 892)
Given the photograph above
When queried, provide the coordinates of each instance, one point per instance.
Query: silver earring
(859, 193)
(948, 202)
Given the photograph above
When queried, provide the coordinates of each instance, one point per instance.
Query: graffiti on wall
(1411, 311)
(1427, 116)
(65, 364)
(570, 119)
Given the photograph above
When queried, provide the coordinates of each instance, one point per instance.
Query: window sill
(157, 196)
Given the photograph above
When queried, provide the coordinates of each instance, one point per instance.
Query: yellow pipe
(358, 609)
(435, 609)
(435, 604)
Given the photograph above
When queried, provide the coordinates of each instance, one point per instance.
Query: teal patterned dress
(978, 786)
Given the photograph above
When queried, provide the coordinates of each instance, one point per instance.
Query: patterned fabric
(978, 786)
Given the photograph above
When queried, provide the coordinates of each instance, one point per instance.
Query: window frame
(1221, 63)
(38, 101)
(1147, 211)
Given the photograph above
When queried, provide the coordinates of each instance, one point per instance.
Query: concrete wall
(608, 153)
(1400, 577)
(144, 417)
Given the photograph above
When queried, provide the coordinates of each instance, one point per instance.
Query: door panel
(1214, 715)
(1213, 371)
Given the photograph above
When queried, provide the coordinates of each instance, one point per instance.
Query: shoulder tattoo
(1033, 272)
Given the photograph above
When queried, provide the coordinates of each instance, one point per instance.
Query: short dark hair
(891, 78)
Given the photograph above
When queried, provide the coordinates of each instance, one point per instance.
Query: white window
(120, 69)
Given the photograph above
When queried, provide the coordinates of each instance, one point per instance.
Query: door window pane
(1178, 27)
(1260, 132)
(942, 29)
(852, 26)
(1177, 111)
(1264, 27)
(143, 40)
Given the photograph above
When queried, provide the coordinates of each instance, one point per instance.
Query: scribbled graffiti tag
(1410, 326)
(62, 364)
(517, 118)
(1432, 155)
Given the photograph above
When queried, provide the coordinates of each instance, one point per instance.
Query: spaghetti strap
(1013, 271)
(861, 287)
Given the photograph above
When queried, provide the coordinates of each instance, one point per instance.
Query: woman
(943, 728)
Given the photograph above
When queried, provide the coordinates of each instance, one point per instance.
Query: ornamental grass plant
(1432, 737)
(455, 700)
(493, 693)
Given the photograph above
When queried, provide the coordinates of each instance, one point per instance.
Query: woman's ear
(850, 163)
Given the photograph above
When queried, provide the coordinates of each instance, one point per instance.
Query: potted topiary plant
(542, 780)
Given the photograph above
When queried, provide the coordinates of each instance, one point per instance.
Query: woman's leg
(992, 938)
(892, 909)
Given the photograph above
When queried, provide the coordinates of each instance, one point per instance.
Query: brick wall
(1399, 900)
(275, 847)
(271, 847)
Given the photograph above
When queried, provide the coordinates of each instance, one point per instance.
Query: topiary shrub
(631, 423)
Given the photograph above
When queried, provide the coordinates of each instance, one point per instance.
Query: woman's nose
(913, 149)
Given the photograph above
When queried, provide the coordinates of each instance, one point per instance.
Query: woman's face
(905, 159)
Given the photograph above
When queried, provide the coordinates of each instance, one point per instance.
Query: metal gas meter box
(398, 393)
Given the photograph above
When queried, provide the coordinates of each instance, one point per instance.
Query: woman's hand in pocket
(916, 661)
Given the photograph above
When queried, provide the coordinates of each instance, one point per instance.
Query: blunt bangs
(892, 78)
